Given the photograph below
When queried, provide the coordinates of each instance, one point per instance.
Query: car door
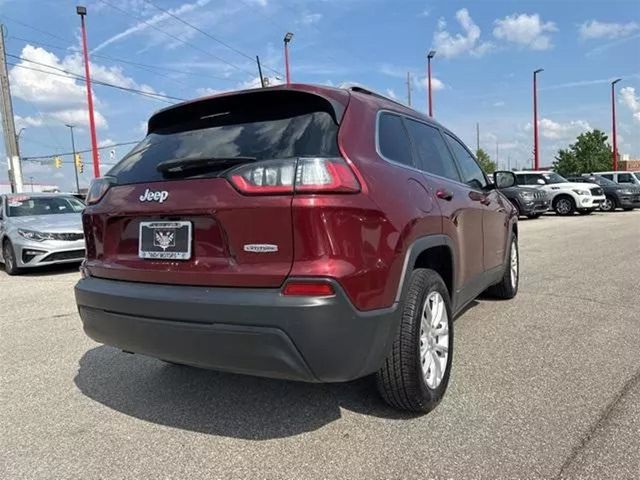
(461, 217)
(494, 207)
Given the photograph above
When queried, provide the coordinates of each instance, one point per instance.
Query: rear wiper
(179, 165)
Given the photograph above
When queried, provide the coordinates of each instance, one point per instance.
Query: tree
(590, 153)
(488, 165)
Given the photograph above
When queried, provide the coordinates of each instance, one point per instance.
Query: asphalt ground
(544, 386)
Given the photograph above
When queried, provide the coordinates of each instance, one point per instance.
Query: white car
(566, 197)
(621, 177)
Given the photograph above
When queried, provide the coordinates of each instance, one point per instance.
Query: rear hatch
(205, 198)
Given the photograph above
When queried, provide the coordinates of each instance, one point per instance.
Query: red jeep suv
(297, 232)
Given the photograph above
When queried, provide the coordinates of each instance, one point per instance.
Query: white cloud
(106, 143)
(436, 83)
(206, 92)
(391, 94)
(310, 18)
(561, 131)
(595, 29)
(151, 22)
(449, 46)
(419, 82)
(60, 97)
(629, 98)
(525, 30)
(499, 103)
(26, 122)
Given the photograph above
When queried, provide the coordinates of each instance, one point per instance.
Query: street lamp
(82, 12)
(430, 55)
(536, 150)
(287, 39)
(73, 159)
(613, 121)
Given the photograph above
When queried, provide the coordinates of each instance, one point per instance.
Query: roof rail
(376, 94)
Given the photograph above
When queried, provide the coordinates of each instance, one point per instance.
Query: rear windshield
(25, 206)
(269, 129)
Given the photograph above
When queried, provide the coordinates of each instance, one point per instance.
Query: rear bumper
(250, 331)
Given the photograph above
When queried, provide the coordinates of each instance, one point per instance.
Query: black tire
(564, 205)
(9, 258)
(585, 212)
(507, 288)
(534, 215)
(401, 381)
(609, 205)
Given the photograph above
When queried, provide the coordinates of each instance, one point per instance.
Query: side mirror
(504, 179)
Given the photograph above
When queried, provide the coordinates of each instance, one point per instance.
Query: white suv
(566, 197)
(623, 178)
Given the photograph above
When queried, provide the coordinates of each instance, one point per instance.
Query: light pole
(73, 149)
(287, 39)
(82, 11)
(536, 150)
(613, 121)
(430, 55)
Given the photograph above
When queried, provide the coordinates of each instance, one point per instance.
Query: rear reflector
(304, 175)
(308, 289)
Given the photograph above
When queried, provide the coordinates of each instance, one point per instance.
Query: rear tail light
(308, 289)
(305, 175)
(98, 188)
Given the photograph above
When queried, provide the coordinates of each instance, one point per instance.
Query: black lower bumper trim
(241, 330)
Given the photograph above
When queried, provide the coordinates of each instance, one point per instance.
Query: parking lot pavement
(544, 386)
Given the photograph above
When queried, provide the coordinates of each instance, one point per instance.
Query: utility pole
(82, 11)
(477, 136)
(8, 124)
(260, 71)
(287, 39)
(497, 157)
(536, 147)
(409, 88)
(430, 55)
(613, 122)
(75, 165)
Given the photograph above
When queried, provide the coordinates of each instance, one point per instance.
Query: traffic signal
(79, 163)
(57, 161)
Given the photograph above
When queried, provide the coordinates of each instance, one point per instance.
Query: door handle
(443, 194)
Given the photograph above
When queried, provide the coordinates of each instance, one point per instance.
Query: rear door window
(472, 174)
(269, 127)
(608, 176)
(625, 178)
(393, 140)
(433, 154)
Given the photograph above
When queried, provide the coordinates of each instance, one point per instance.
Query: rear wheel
(415, 375)
(9, 257)
(609, 204)
(508, 286)
(564, 206)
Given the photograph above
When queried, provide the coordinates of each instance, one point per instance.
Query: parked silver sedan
(40, 229)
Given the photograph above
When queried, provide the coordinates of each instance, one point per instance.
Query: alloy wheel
(563, 206)
(514, 265)
(607, 205)
(434, 340)
(8, 261)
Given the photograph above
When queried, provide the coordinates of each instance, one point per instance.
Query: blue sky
(486, 52)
